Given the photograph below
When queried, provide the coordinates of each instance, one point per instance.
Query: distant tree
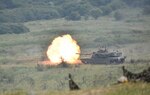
(69, 7)
(84, 8)
(73, 16)
(117, 4)
(2, 17)
(28, 14)
(129, 2)
(99, 2)
(106, 10)
(13, 28)
(146, 10)
(146, 2)
(7, 4)
(137, 3)
(96, 12)
(118, 15)
(81, 7)
(43, 13)
(86, 17)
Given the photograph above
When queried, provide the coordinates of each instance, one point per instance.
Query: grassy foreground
(92, 79)
(120, 89)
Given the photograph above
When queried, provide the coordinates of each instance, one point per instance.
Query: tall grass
(130, 89)
(29, 78)
(120, 89)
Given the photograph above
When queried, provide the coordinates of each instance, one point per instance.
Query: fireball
(64, 49)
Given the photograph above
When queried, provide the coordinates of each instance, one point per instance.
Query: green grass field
(92, 79)
(19, 55)
(131, 37)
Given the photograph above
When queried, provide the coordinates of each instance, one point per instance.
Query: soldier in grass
(142, 76)
(72, 84)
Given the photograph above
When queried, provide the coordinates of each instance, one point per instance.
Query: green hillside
(19, 11)
(27, 28)
(29, 10)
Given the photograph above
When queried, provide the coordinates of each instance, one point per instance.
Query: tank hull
(103, 60)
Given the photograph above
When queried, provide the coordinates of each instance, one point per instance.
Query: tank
(103, 56)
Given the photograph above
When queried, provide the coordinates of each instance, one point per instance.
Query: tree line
(28, 10)
(18, 11)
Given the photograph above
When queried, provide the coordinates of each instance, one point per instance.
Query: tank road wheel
(122, 60)
(112, 61)
(85, 62)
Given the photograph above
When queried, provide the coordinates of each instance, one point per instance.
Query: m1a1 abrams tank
(102, 56)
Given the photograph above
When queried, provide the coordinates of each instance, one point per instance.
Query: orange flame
(64, 49)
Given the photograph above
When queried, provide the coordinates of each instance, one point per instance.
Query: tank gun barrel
(84, 53)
